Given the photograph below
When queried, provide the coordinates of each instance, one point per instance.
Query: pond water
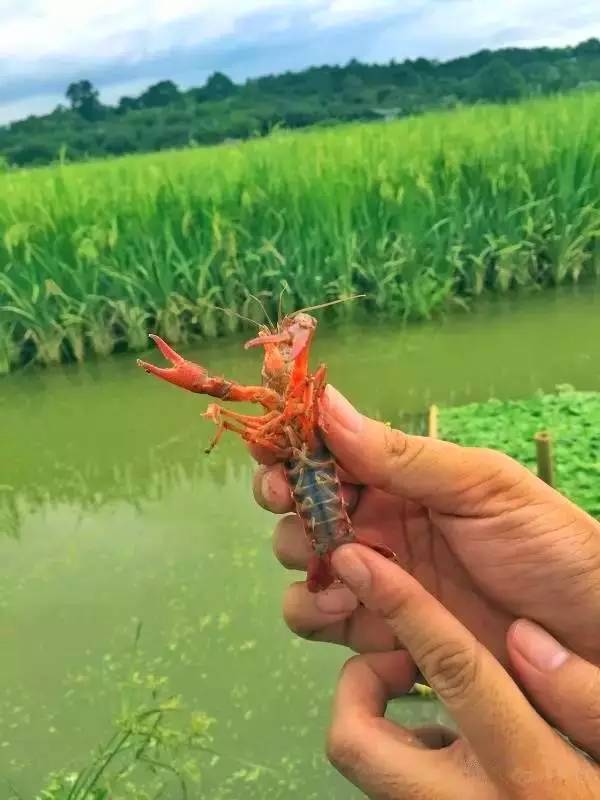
(114, 517)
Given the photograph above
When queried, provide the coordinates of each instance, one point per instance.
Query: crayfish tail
(320, 575)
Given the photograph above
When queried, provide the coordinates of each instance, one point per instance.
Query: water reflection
(116, 516)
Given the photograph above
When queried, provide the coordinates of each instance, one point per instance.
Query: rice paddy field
(416, 214)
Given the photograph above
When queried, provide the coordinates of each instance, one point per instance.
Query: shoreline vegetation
(572, 418)
(417, 214)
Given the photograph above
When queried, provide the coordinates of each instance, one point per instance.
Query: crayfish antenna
(183, 373)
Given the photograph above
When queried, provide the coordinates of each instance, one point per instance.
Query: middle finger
(334, 616)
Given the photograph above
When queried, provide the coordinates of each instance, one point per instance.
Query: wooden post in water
(545, 464)
(432, 425)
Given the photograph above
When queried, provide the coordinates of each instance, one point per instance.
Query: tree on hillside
(353, 88)
(591, 47)
(541, 77)
(127, 104)
(84, 99)
(160, 94)
(423, 65)
(218, 87)
(404, 75)
(498, 81)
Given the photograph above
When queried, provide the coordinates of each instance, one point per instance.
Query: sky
(123, 46)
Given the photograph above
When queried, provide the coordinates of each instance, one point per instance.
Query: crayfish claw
(183, 373)
(151, 369)
(166, 350)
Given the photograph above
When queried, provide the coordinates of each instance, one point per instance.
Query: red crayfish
(289, 427)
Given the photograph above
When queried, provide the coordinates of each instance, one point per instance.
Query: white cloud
(540, 18)
(33, 32)
(101, 30)
(336, 12)
(449, 28)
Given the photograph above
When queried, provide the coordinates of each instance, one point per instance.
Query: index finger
(374, 752)
(512, 742)
(446, 477)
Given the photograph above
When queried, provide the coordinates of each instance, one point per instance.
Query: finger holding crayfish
(272, 492)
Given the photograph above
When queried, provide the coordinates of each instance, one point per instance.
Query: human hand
(505, 750)
(478, 530)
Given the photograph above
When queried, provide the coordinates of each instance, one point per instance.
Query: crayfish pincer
(288, 427)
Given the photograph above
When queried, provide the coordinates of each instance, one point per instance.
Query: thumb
(564, 687)
(446, 477)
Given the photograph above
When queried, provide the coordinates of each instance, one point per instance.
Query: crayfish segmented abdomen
(317, 493)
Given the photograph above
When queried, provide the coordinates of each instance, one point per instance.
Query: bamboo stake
(545, 463)
(421, 689)
(433, 422)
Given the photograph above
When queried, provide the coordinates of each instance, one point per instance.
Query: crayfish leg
(378, 548)
(248, 427)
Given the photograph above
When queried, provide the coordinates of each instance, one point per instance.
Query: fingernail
(336, 601)
(538, 647)
(265, 485)
(259, 486)
(339, 410)
(271, 493)
(351, 569)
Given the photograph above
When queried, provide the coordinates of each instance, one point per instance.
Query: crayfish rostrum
(289, 428)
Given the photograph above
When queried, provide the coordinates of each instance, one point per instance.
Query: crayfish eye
(305, 321)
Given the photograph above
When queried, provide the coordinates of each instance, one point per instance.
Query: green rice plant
(416, 214)
(9, 347)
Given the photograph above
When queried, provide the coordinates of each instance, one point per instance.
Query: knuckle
(399, 452)
(452, 669)
(257, 487)
(394, 604)
(295, 614)
(279, 549)
(290, 546)
(492, 474)
(271, 490)
(491, 464)
(395, 443)
(591, 712)
(353, 664)
(343, 750)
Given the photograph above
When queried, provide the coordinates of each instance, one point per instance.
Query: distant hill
(164, 116)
